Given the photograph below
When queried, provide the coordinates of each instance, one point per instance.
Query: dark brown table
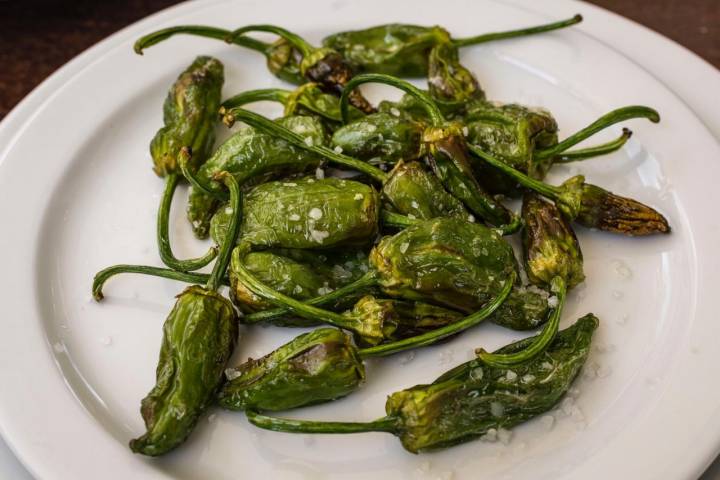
(39, 36)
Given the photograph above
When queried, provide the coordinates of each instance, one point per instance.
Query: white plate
(93, 203)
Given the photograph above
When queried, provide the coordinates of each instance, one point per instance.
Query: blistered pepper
(446, 151)
(471, 400)
(252, 157)
(322, 365)
(189, 117)
(447, 262)
(403, 50)
(587, 204)
(199, 336)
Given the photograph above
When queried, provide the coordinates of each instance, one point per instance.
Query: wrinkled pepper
(322, 365)
(252, 157)
(199, 337)
(189, 116)
(469, 400)
(589, 205)
(403, 50)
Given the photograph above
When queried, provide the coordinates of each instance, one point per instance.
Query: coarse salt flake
(510, 376)
(319, 235)
(319, 173)
(294, 217)
(358, 196)
(338, 149)
(315, 213)
(403, 247)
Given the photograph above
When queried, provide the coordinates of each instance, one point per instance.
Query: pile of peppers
(375, 228)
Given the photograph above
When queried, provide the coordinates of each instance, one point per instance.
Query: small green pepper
(199, 338)
(471, 399)
(252, 157)
(448, 80)
(380, 135)
(526, 139)
(589, 205)
(447, 154)
(265, 125)
(322, 365)
(549, 244)
(402, 50)
(305, 213)
(189, 115)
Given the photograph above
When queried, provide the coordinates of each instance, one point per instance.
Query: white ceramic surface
(94, 202)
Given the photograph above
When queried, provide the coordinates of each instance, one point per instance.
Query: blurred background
(39, 36)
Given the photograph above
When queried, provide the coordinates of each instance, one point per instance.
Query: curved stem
(366, 281)
(233, 230)
(200, 31)
(597, 150)
(295, 40)
(539, 344)
(299, 308)
(266, 125)
(549, 191)
(104, 275)
(277, 424)
(163, 233)
(278, 95)
(522, 32)
(183, 161)
(436, 117)
(440, 333)
(392, 219)
(611, 118)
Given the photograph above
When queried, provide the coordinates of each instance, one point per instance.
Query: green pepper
(306, 100)
(448, 80)
(305, 213)
(587, 204)
(322, 365)
(471, 399)
(526, 139)
(380, 135)
(444, 261)
(189, 114)
(265, 125)
(447, 154)
(252, 157)
(402, 50)
(283, 60)
(549, 244)
(199, 338)
(308, 275)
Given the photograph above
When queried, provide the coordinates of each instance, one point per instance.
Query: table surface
(39, 36)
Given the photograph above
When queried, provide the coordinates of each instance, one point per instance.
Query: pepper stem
(541, 341)
(436, 117)
(277, 424)
(278, 95)
(183, 162)
(295, 40)
(301, 309)
(542, 188)
(522, 32)
(597, 150)
(163, 233)
(266, 125)
(200, 31)
(440, 333)
(105, 274)
(367, 280)
(611, 118)
(233, 230)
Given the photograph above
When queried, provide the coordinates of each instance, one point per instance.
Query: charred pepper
(199, 337)
(189, 116)
(321, 365)
(469, 400)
